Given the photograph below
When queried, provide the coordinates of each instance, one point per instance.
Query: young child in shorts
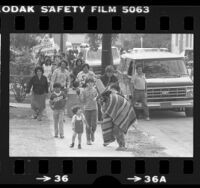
(78, 122)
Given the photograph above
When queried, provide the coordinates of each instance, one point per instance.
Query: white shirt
(139, 82)
(62, 77)
(82, 76)
(76, 117)
(47, 70)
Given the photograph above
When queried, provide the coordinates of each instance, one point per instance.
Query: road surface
(172, 130)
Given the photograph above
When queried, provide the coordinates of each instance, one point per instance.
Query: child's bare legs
(74, 137)
(73, 140)
(79, 140)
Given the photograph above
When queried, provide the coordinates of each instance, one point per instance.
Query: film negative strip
(99, 94)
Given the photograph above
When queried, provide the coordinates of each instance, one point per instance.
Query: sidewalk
(95, 150)
(29, 137)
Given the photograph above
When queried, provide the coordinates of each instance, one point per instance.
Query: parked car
(169, 85)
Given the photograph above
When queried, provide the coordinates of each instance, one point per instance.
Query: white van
(169, 85)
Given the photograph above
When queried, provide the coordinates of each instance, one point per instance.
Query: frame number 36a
(155, 179)
(59, 178)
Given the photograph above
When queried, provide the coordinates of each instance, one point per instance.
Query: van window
(163, 68)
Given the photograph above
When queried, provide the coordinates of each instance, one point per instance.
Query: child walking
(78, 122)
(88, 98)
(57, 104)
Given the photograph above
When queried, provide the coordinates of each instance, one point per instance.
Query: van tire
(189, 112)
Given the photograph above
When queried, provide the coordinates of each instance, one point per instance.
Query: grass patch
(20, 113)
(143, 146)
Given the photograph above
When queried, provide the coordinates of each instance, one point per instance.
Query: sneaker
(89, 143)
(62, 137)
(56, 136)
(120, 148)
(79, 146)
(72, 145)
(105, 144)
(147, 119)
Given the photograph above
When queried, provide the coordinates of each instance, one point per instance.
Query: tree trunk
(106, 58)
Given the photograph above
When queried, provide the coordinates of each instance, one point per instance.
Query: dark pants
(140, 96)
(99, 113)
(91, 118)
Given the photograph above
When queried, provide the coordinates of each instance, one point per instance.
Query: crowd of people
(100, 96)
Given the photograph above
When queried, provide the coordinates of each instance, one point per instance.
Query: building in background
(180, 42)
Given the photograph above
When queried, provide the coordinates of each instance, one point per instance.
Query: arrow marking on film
(135, 178)
(44, 178)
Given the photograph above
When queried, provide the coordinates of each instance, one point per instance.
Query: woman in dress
(39, 85)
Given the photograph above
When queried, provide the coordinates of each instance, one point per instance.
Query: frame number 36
(155, 179)
(59, 178)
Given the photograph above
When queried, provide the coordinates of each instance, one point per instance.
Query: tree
(94, 40)
(107, 41)
(24, 41)
(106, 58)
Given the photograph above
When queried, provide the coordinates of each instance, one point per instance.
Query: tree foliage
(21, 59)
(107, 40)
(25, 41)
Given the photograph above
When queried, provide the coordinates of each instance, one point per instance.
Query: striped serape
(107, 130)
(121, 112)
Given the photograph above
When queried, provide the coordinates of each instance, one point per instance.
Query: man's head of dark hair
(105, 95)
(39, 68)
(76, 84)
(56, 85)
(85, 65)
(63, 61)
(115, 87)
(79, 60)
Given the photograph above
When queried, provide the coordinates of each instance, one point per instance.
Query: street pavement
(166, 134)
(173, 130)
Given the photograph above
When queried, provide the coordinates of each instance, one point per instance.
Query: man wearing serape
(118, 116)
